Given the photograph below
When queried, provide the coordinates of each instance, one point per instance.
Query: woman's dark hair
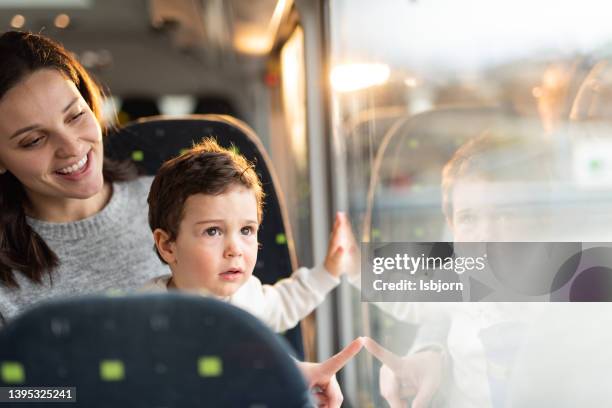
(21, 248)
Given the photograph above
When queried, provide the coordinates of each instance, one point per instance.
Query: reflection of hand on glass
(415, 376)
(342, 251)
(321, 377)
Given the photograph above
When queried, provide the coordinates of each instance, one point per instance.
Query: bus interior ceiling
(216, 51)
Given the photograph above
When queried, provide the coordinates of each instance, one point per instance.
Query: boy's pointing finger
(336, 362)
(383, 355)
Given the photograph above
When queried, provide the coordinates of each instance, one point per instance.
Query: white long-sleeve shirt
(481, 340)
(280, 306)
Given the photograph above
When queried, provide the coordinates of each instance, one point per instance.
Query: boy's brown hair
(206, 168)
(502, 153)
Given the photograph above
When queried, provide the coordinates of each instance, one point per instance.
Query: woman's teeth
(77, 166)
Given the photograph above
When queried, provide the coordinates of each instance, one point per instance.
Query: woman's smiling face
(50, 139)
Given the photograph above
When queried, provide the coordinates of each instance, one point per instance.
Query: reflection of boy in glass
(494, 189)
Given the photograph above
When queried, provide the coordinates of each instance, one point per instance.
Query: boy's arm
(285, 303)
(282, 305)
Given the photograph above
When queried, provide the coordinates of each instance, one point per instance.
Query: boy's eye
(212, 231)
(247, 230)
(466, 218)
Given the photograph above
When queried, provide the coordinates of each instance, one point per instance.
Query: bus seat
(136, 107)
(212, 104)
(151, 141)
(152, 350)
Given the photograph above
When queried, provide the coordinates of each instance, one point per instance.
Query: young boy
(205, 207)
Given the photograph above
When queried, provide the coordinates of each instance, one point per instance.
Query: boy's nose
(481, 232)
(232, 249)
(492, 230)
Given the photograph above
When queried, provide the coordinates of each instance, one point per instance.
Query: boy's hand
(321, 377)
(415, 376)
(342, 247)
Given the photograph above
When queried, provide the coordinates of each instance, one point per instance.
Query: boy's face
(474, 216)
(216, 247)
(488, 211)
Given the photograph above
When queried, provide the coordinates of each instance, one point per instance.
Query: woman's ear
(165, 246)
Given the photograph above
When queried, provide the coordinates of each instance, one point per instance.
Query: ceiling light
(17, 21)
(62, 21)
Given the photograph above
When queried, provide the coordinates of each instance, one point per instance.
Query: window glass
(469, 121)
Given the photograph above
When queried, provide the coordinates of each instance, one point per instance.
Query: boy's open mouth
(231, 274)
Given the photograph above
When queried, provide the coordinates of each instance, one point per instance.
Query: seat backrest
(214, 104)
(151, 141)
(135, 107)
(151, 350)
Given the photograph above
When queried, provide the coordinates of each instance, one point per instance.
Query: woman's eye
(247, 230)
(37, 141)
(213, 231)
(77, 116)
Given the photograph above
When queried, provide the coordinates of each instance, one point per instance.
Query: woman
(71, 221)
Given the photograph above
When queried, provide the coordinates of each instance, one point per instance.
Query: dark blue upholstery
(153, 350)
(152, 141)
(136, 107)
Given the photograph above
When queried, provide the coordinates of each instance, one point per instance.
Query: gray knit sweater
(112, 250)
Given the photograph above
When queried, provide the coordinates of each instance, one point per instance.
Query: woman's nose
(68, 145)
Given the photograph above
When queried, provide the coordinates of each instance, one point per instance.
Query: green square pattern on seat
(138, 155)
(210, 366)
(12, 372)
(281, 239)
(112, 370)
